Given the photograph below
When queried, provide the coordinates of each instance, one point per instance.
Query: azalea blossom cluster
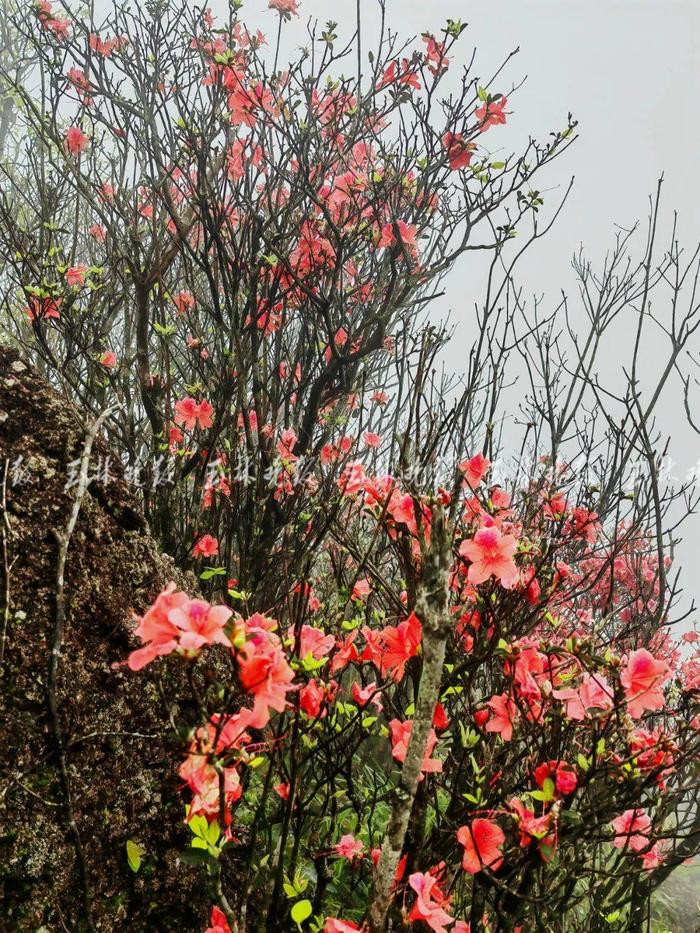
(555, 678)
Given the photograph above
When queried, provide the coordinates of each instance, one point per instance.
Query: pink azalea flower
(459, 152)
(407, 234)
(503, 716)
(39, 309)
(435, 56)
(538, 828)
(200, 624)
(474, 469)
(175, 437)
(401, 736)
(218, 922)
(59, 26)
(76, 275)
(491, 555)
(371, 440)
(653, 858)
(206, 546)
(175, 621)
(191, 413)
(285, 6)
(156, 629)
(429, 903)
(104, 46)
(643, 677)
(312, 697)
(264, 672)
(632, 830)
(75, 140)
(361, 590)
(440, 719)
(594, 693)
(198, 771)
(369, 694)
(483, 841)
(333, 925)
(353, 479)
(349, 847)
(314, 642)
(184, 302)
(491, 113)
(562, 774)
(397, 645)
(108, 359)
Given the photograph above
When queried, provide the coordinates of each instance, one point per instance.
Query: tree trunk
(432, 610)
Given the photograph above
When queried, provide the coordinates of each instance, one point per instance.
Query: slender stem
(63, 540)
(431, 608)
(359, 50)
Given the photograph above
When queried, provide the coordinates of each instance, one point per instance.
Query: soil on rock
(113, 722)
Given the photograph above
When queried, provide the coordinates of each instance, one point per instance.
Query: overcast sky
(629, 71)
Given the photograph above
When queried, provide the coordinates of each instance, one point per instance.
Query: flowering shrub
(527, 674)
(421, 691)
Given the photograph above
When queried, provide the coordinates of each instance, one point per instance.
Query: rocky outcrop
(112, 724)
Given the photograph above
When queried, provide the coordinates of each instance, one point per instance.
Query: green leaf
(134, 853)
(194, 856)
(482, 94)
(310, 663)
(213, 833)
(301, 911)
(570, 816)
(199, 826)
(583, 762)
(212, 572)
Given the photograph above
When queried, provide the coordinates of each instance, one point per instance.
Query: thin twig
(6, 530)
(63, 540)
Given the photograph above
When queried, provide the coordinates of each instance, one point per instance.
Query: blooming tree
(431, 681)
